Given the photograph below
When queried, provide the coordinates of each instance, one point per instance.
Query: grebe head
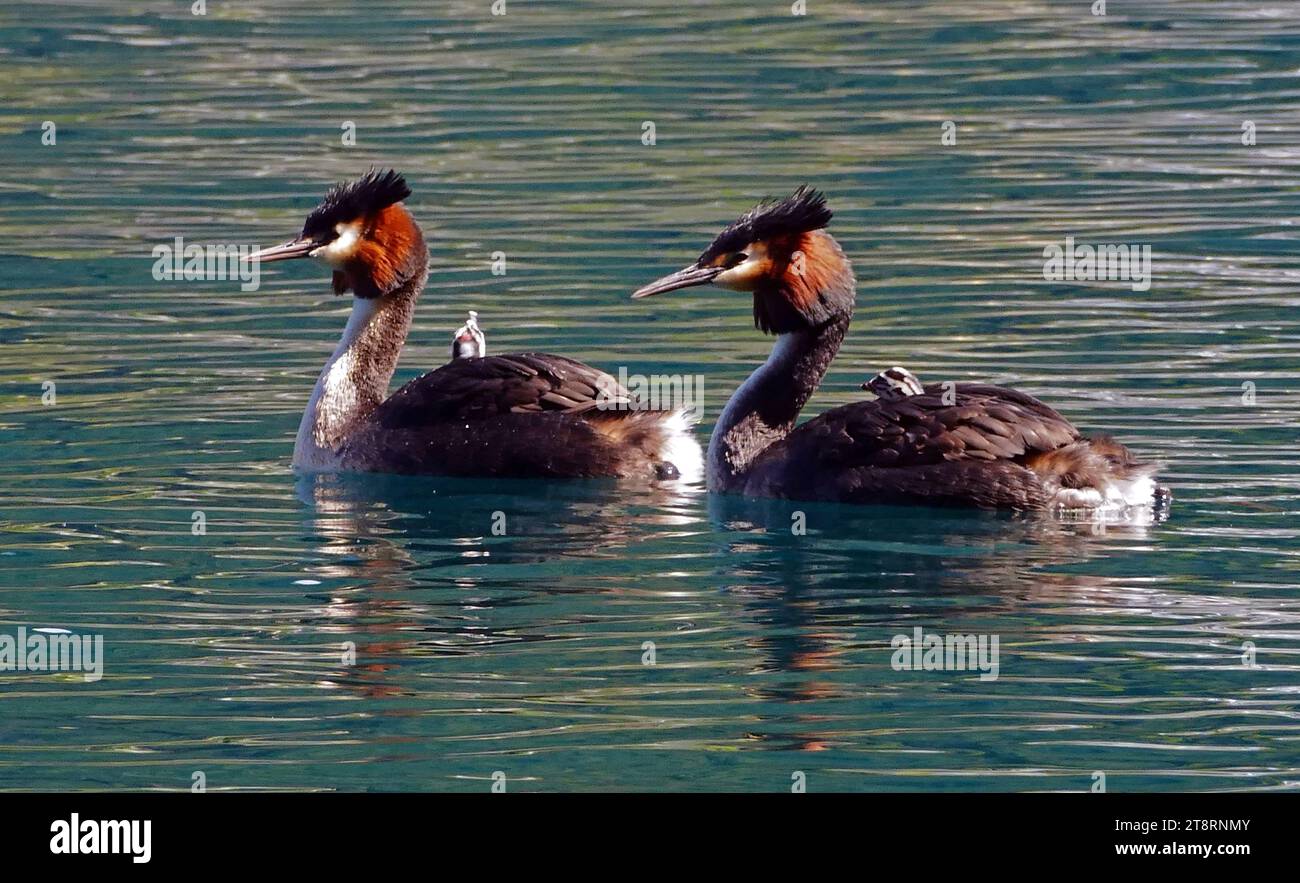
(778, 251)
(364, 233)
(469, 342)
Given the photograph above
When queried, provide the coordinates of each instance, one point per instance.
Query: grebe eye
(321, 237)
(737, 259)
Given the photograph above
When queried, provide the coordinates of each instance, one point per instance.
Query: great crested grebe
(962, 443)
(518, 415)
(469, 342)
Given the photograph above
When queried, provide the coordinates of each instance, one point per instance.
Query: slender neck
(764, 409)
(355, 379)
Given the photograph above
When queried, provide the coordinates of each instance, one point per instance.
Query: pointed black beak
(686, 277)
(294, 248)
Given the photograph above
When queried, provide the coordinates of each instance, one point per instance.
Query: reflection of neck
(764, 409)
(355, 379)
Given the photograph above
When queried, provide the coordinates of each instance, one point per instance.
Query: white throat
(335, 395)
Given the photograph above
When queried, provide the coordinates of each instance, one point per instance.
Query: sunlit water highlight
(1121, 646)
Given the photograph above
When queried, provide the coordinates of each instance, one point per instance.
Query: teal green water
(1120, 645)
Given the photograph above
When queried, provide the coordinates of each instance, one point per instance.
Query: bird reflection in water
(809, 606)
(388, 535)
(824, 584)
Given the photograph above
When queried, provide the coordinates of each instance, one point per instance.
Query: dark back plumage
(372, 192)
(920, 448)
(521, 415)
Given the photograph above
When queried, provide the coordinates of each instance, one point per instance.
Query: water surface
(1120, 645)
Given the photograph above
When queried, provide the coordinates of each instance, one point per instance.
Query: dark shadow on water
(520, 519)
(811, 594)
(783, 544)
(865, 573)
(961, 549)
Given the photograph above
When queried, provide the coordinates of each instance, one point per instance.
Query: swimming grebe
(518, 415)
(961, 443)
(469, 341)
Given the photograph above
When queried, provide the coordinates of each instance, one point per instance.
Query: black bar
(327, 831)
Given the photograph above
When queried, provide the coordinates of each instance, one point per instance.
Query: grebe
(469, 341)
(956, 443)
(894, 383)
(518, 415)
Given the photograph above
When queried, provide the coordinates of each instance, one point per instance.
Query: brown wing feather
(918, 447)
(523, 414)
(468, 389)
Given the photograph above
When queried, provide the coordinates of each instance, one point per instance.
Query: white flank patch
(1136, 492)
(680, 447)
(1117, 495)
